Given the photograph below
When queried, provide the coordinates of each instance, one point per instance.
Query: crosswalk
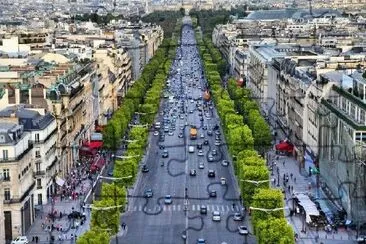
(180, 207)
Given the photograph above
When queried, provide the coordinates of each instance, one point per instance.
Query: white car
(200, 153)
(243, 230)
(156, 133)
(191, 149)
(216, 216)
(201, 165)
(20, 240)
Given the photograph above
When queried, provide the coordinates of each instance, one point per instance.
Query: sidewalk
(66, 227)
(302, 183)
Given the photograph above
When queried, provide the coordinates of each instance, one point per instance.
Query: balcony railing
(39, 173)
(19, 157)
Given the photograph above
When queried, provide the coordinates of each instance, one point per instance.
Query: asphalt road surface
(150, 220)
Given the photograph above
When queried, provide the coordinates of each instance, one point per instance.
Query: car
(212, 193)
(209, 133)
(165, 154)
(203, 209)
(201, 165)
(201, 119)
(201, 241)
(205, 142)
(217, 132)
(191, 111)
(238, 217)
(168, 199)
(148, 193)
(217, 143)
(216, 216)
(214, 152)
(225, 163)
(161, 138)
(223, 181)
(156, 133)
(199, 146)
(75, 215)
(202, 136)
(243, 230)
(166, 129)
(192, 172)
(180, 135)
(191, 149)
(145, 169)
(200, 153)
(20, 240)
(210, 158)
(171, 133)
(211, 173)
(204, 127)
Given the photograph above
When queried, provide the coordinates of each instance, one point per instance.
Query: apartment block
(18, 184)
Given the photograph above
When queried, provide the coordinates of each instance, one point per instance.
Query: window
(362, 117)
(36, 137)
(38, 166)
(39, 183)
(6, 174)
(38, 154)
(7, 194)
(5, 154)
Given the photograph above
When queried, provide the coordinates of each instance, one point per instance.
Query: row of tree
(244, 128)
(144, 98)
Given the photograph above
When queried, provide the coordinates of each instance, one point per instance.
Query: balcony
(19, 157)
(19, 199)
(39, 173)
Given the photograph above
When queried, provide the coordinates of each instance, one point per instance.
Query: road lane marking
(223, 208)
(140, 208)
(164, 208)
(179, 207)
(208, 208)
(227, 208)
(193, 207)
(134, 208)
(173, 207)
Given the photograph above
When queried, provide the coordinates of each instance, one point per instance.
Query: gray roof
(291, 13)
(31, 120)
(272, 14)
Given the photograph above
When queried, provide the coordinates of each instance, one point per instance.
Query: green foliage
(267, 199)
(166, 19)
(273, 231)
(252, 173)
(94, 236)
(105, 215)
(239, 138)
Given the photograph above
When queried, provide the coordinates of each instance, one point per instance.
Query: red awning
(94, 144)
(97, 164)
(87, 151)
(285, 146)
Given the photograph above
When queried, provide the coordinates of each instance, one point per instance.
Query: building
(18, 184)
(43, 134)
(343, 137)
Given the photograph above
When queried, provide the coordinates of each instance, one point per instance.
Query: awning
(60, 181)
(87, 151)
(285, 146)
(308, 205)
(94, 144)
(96, 137)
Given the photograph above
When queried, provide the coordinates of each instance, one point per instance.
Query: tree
(105, 215)
(240, 138)
(252, 173)
(275, 230)
(94, 236)
(267, 199)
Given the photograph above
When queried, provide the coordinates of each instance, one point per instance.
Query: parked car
(225, 163)
(20, 240)
(145, 169)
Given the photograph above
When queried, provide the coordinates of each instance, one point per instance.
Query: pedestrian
(36, 239)
(234, 205)
(283, 163)
(291, 176)
(288, 189)
(292, 188)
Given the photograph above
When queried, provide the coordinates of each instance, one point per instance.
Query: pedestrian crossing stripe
(178, 207)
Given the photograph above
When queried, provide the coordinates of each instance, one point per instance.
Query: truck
(193, 133)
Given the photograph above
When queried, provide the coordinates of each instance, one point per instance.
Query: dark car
(238, 217)
(165, 154)
(199, 146)
(148, 193)
(212, 193)
(162, 138)
(206, 142)
(201, 241)
(192, 172)
(203, 209)
(145, 169)
(209, 133)
(211, 173)
(75, 215)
